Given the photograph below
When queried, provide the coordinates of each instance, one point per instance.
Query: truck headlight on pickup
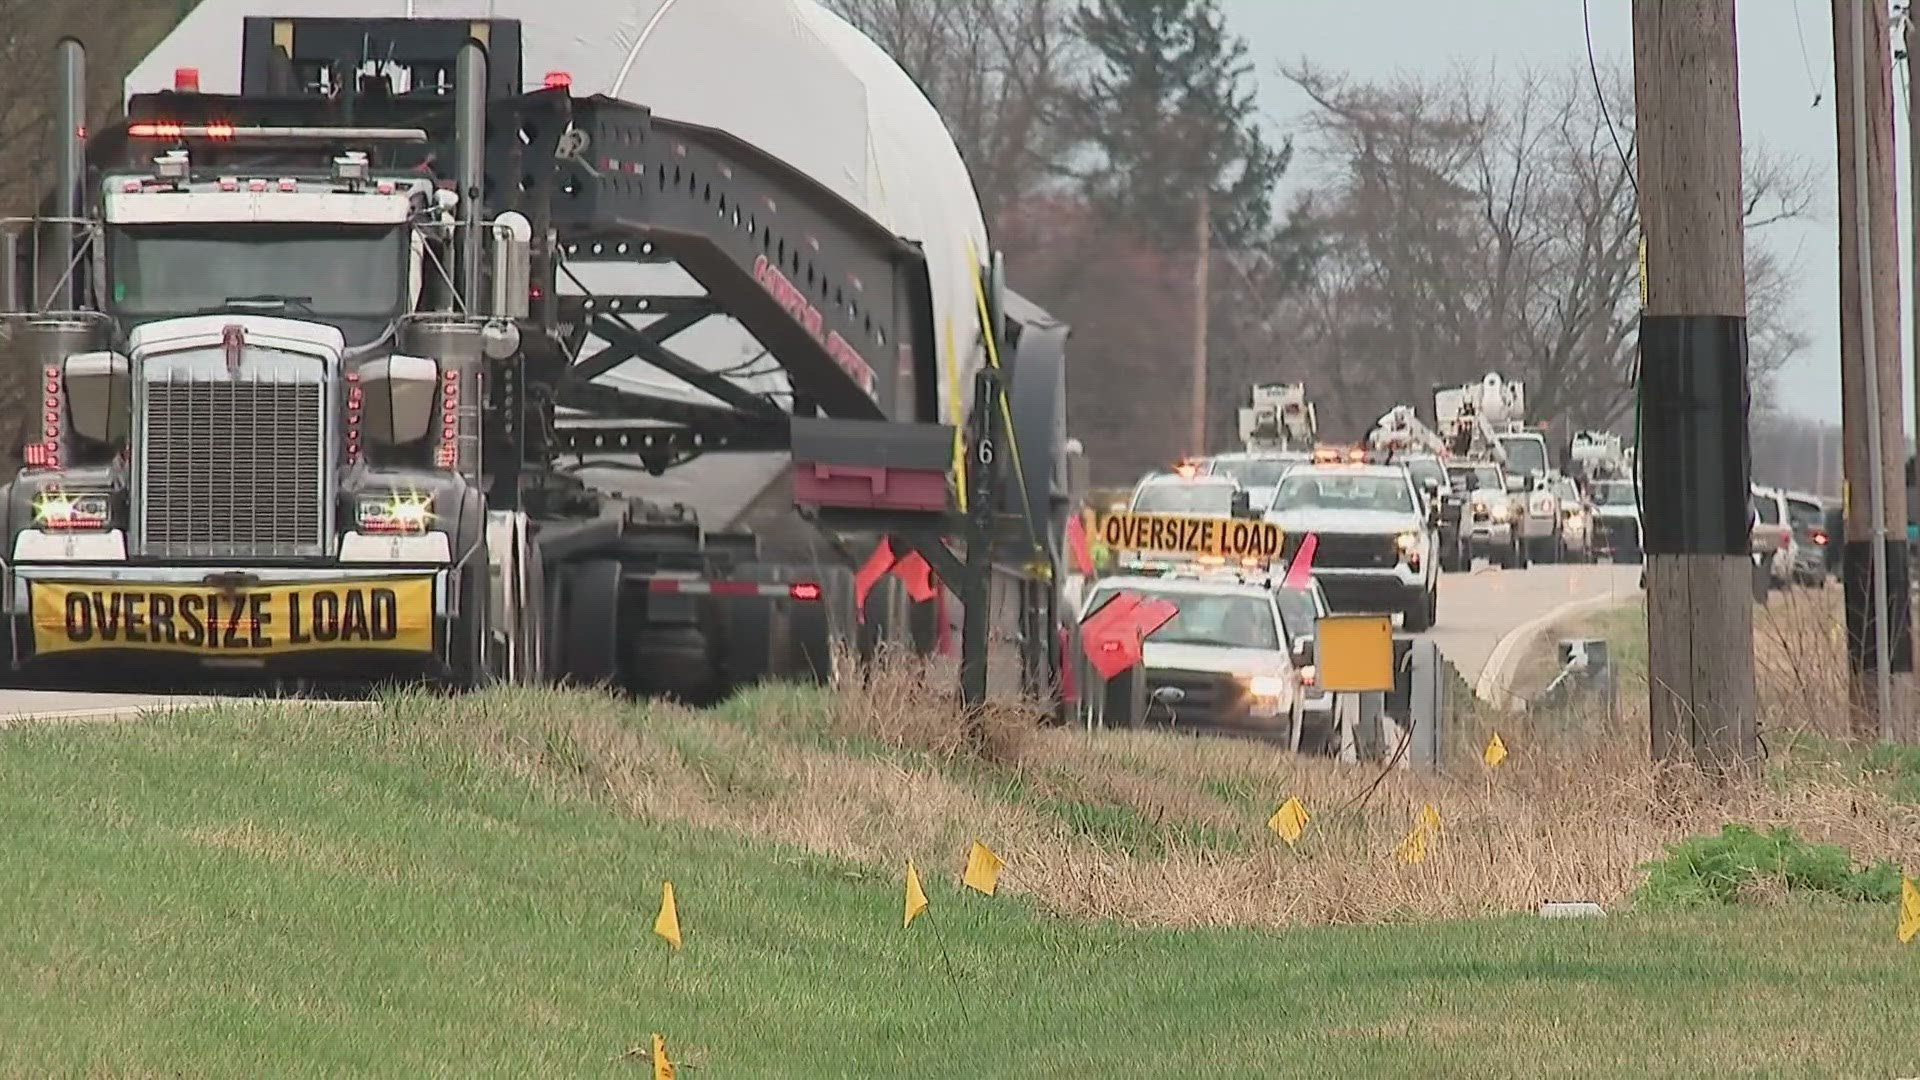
(1409, 543)
(1265, 694)
(72, 511)
(1501, 512)
(395, 513)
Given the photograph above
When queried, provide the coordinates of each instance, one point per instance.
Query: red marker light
(558, 80)
(805, 590)
(186, 80)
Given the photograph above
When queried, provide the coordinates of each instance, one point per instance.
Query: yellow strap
(953, 410)
(993, 357)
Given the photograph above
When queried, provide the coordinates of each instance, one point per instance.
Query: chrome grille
(233, 468)
(1207, 699)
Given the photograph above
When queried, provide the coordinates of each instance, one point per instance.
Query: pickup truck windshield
(1225, 621)
(1252, 472)
(1526, 454)
(1332, 490)
(1620, 494)
(337, 271)
(1184, 497)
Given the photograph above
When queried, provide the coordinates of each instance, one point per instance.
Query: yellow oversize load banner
(1181, 534)
(387, 614)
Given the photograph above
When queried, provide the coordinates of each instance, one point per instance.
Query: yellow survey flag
(667, 923)
(1413, 848)
(983, 870)
(662, 1068)
(916, 896)
(1496, 751)
(1909, 910)
(1289, 821)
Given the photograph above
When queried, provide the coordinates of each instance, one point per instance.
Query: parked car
(1771, 534)
(1811, 539)
(1616, 520)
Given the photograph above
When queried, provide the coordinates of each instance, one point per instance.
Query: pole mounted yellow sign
(1196, 535)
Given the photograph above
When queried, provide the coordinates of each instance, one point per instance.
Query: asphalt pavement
(1478, 609)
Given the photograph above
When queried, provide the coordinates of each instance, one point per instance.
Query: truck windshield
(1525, 453)
(1223, 621)
(1252, 472)
(1613, 494)
(1184, 497)
(1333, 490)
(321, 271)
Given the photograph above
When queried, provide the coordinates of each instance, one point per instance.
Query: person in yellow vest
(1102, 554)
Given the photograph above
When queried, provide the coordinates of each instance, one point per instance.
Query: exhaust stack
(470, 123)
(70, 118)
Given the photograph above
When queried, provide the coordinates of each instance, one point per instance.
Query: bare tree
(1478, 224)
(1001, 72)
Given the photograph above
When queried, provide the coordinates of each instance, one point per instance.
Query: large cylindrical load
(37, 363)
(470, 124)
(70, 162)
(458, 345)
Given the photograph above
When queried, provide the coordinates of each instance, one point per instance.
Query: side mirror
(1242, 504)
(399, 392)
(99, 395)
(1302, 650)
(1516, 484)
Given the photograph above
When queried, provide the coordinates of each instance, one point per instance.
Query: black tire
(468, 650)
(813, 628)
(753, 631)
(886, 620)
(1417, 618)
(677, 662)
(589, 623)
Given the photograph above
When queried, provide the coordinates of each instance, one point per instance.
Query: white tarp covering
(785, 75)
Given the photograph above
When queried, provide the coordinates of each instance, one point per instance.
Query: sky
(1786, 59)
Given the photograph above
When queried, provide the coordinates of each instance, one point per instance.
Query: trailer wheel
(886, 617)
(752, 631)
(812, 629)
(589, 621)
(677, 662)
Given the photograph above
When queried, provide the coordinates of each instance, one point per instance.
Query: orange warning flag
(662, 1068)
(983, 869)
(667, 923)
(1496, 752)
(1289, 821)
(1909, 910)
(916, 896)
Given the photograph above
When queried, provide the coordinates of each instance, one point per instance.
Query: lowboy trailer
(302, 374)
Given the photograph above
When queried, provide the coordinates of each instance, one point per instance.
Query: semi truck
(309, 390)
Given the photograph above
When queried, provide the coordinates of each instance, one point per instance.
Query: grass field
(462, 888)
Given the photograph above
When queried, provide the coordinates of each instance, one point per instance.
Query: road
(1477, 609)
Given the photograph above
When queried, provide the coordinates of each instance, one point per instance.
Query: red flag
(870, 573)
(914, 572)
(1114, 637)
(1078, 545)
(1300, 570)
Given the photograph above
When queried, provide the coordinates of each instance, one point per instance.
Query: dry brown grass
(1156, 829)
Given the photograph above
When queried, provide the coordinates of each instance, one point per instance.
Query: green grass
(320, 893)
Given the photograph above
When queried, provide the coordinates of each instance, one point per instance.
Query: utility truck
(307, 371)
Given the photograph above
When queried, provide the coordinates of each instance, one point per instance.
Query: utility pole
(1879, 617)
(1694, 397)
(1202, 260)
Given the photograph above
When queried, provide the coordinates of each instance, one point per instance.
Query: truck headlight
(72, 511)
(1501, 512)
(1408, 543)
(1266, 692)
(395, 512)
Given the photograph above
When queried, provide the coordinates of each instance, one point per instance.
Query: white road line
(1497, 676)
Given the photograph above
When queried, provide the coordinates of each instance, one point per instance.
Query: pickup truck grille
(1616, 532)
(233, 468)
(1208, 699)
(1349, 551)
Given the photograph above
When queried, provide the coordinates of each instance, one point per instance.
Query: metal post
(976, 587)
(70, 120)
(470, 122)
